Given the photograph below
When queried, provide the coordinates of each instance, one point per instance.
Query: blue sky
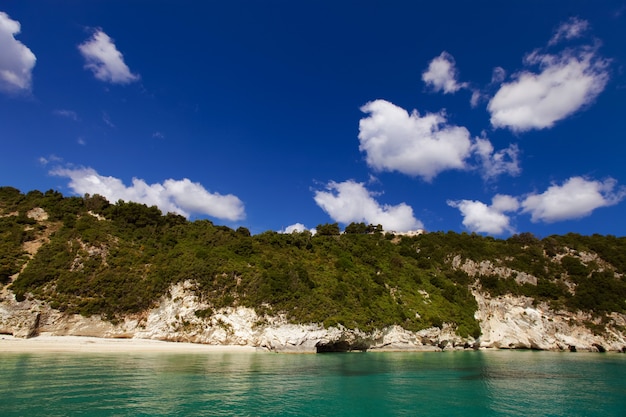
(490, 117)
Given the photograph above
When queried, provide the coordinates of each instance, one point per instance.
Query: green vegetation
(114, 259)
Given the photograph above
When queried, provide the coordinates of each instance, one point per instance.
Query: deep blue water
(476, 383)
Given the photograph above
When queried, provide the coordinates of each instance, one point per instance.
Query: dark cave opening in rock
(340, 346)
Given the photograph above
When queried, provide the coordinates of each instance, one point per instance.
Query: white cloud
(296, 227)
(565, 83)
(503, 202)
(104, 60)
(395, 140)
(177, 196)
(16, 60)
(573, 28)
(442, 74)
(493, 164)
(576, 198)
(481, 218)
(350, 201)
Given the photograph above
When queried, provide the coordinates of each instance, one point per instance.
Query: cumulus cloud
(494, 164)
(104, 60)
(573, 28)
(177, 196)
(297, 228)
(423, 146)
(350, 201)
(16, 60)
(482, 218)
(564, 83)
(576, 198)
(442, 74)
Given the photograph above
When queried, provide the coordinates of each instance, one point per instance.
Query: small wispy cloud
(107, 119)
(573, 28)
(104, 60)
(70, 114)
(50, 159)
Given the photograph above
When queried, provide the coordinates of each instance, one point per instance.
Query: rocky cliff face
(515, 322)
(506, 322)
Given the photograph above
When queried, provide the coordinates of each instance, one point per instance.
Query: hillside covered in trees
(88, 256)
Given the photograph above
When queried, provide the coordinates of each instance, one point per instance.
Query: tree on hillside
(363, 229)
(356, 228)
(328, 229)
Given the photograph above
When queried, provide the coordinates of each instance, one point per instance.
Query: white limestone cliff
(515, 322)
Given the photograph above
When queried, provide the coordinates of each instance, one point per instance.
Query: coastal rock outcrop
(507, 322)
(517, 323)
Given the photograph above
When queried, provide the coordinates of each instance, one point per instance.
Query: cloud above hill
(482, 218)
(577, 197)
(349, 201)
(176, 196)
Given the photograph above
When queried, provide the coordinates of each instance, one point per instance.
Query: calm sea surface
(498, 383)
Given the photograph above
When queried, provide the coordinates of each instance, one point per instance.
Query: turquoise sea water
(476, 383)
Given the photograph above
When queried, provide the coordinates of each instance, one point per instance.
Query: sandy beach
(78, 344)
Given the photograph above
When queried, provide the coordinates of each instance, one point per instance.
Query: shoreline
(46, 343)
(87, 344)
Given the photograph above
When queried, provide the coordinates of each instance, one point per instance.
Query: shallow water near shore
(476, 383)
